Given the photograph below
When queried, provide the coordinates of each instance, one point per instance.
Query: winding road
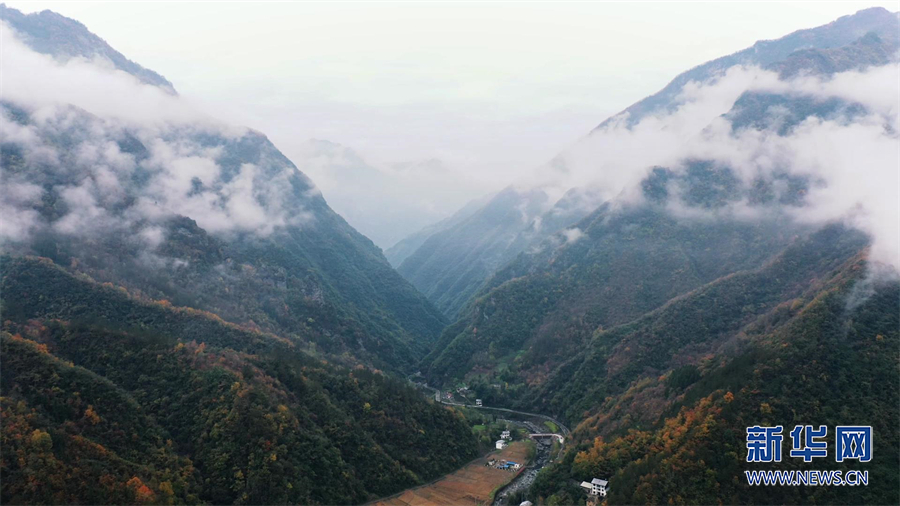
(563, 429)
(543, 447)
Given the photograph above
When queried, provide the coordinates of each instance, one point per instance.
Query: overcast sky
(490, 89)
(483, 86)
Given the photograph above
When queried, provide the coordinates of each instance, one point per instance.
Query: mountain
(460, 253)
(719, 291)
(109, 398)
(384, 202)
(867, 38)
(220, 222)
(683, 227)
(669, 405)
(199, 213)
(452, 264)
(783, 54)
(185, 319)
(872, 49)
(621, 262)
(662, 337)
(63, 38)
(399, 252)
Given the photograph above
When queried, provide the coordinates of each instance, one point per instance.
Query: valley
(472, 485)
(188, 317)
(468, 485)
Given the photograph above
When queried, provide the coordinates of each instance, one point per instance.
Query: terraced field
(472, 485)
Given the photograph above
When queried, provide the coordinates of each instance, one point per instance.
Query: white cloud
(572, 234)
(17, 220)
(35, 79)
(79, 113)
(856, 164)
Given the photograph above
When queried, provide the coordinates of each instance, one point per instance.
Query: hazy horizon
(400, 88)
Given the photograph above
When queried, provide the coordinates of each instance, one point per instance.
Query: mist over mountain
(740, 213)
(63, 38)
(144, 198)
(682, 122)
(189, 316)
(743, 149)
(384, 203)
(802, 49)
(450, 275)
(397, 253)
(180, 283)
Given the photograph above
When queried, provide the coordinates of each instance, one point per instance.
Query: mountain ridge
(845, 30)
(866, 38)
(206, 216)
(63, 38)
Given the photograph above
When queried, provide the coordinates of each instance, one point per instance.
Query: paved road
(543, 446)
(562, 428)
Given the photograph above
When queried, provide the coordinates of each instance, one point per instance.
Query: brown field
(471, 485)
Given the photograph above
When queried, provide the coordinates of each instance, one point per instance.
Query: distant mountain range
(385, 203)
(397, 253)
(868, 38)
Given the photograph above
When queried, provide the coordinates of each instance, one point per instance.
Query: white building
(596, 487)
(525, 503)
(505, 435)
(478, 402)
(501, 444)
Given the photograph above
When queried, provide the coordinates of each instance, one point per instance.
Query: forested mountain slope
(400, 251)
(668, 398)
(710, 294)
(625, 261)
(868, 38)
(164, 404)
(184, 208)
(674, 230)
(185, 320)
(452, 264)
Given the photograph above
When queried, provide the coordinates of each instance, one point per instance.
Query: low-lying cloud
(95, 109)
(114, 154)
(33, 79)
(853, 162)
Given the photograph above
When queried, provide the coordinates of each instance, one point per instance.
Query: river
(528, 421)
(524, 480)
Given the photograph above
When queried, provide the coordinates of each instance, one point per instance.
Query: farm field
(471, 485)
